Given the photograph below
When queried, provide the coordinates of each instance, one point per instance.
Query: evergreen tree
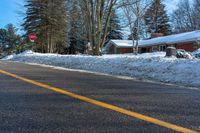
(9, 39)
(48, 20)
(35, 21)
(3, 39)
(77, 35)
(12, 37)
(156, 18)
(114, 28)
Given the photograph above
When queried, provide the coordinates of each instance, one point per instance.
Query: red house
(189, 41)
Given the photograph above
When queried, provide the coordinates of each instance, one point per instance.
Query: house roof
(171, 39)
(122, 43)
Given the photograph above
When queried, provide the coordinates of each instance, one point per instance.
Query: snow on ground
(9, 57)
(151, 66)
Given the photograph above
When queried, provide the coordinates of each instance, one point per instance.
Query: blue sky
(10, 11)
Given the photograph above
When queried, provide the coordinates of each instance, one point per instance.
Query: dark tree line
(48, 20)
(69, 26)
(66, 26)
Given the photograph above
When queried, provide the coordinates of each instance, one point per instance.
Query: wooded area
(72, 26)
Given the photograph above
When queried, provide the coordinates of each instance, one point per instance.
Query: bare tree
(183, 17)
(97, 16)
(134, 11)
(196, 14)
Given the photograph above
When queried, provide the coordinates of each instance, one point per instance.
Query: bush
(181, 53)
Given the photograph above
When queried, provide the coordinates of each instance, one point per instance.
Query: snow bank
(153, 66)
(9, 57)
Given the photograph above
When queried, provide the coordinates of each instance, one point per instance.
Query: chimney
(155, 35)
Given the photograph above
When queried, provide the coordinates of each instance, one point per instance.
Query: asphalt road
(28, 108)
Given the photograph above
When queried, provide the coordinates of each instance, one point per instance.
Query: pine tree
(3, 39)
(156, 18)
(48, 20)
(9, 39)
(35, 21)
(12, 37)
(114, 28)
(77, 35)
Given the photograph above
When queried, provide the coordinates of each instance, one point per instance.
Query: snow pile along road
(153, 66)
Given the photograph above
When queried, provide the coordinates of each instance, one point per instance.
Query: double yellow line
(105, 105)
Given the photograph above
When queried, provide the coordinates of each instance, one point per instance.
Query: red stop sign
(32, 37)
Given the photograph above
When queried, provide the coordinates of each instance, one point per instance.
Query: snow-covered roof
(122, 43)
(118, 44)
(171, 39)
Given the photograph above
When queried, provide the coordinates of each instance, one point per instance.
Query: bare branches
(187, 16)
(98, 13)
(134, 11)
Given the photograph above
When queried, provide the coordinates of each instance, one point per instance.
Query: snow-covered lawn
(151, 66)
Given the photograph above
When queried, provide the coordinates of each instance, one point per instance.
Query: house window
(195, 47)
(154, 49)
(162, 48)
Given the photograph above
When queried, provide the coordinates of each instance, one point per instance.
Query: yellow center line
(105, 105)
